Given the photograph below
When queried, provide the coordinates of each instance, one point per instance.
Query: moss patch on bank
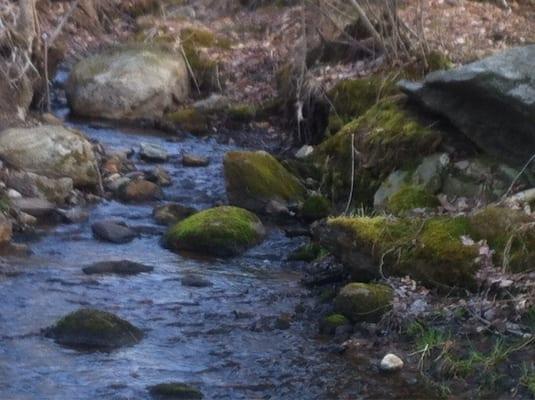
(386, 137)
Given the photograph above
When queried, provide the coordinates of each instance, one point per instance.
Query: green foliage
(222, 231)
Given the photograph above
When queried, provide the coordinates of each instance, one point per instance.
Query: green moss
(429, 250)
(364, 301)
(222, 231)
(329, 324)
(5, 204)
(189, 119)
(308, 252)
(510, 233)
(175, 390)
(315, 207)
(352, 98)
(386, 137)
(410, 197)
(242, 112)
(94, 329)
(438, 61)
(255, 178)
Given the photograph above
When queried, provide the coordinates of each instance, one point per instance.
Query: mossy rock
(95, 330)
(308, 252)
(253, 179)
(189, 119)
(387, 137)
(241, 112)
(364, 301)
(429, 250)
(175, 391)
(315, 207)
(221, 231)
(510, 233)
(330, 323)
(410, 197)
(353, 97)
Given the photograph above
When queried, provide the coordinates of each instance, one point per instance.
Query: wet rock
(26, 219)
(33, 185)
(175, 391)
(492, 101)
(159, 176)
(195, 281)
(113, 231)
(51, 151)
(193, 160)
(153, 152)
(283, 322)
(167, 214)
(73, 215)
(127, 83)
(140, 190)
(6, 229)
(324, 271)
(391, 363)
(94, 329)
(364, 301)
(222, 231)
(253, 179)
(34, 206)
(122, 267)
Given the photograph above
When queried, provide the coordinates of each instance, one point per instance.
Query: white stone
(304, 151)
(391, 363)
(13, 194)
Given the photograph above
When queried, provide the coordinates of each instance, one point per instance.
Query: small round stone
(391, 363)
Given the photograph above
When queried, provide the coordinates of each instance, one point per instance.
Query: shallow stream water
(223, 338)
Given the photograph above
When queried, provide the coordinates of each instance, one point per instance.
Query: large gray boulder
(52, 151)
(128, 84)
(491, 101)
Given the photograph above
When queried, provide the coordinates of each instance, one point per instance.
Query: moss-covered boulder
(254, 179)
(315, 207)
(387, 137)
(222, 231)
(430, 250)
(95, 330)
(510, 233)
(189, 119)
(175, 391)
(308, 252)
(330, 323)
(127, 83)
(364, 301)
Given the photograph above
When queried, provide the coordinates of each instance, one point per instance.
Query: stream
(224, 338)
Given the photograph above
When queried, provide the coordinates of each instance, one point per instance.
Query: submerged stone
(167, 214)
(95, 330)
(113, 231)
(222, 231)
(121, 267)
(175, 391)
